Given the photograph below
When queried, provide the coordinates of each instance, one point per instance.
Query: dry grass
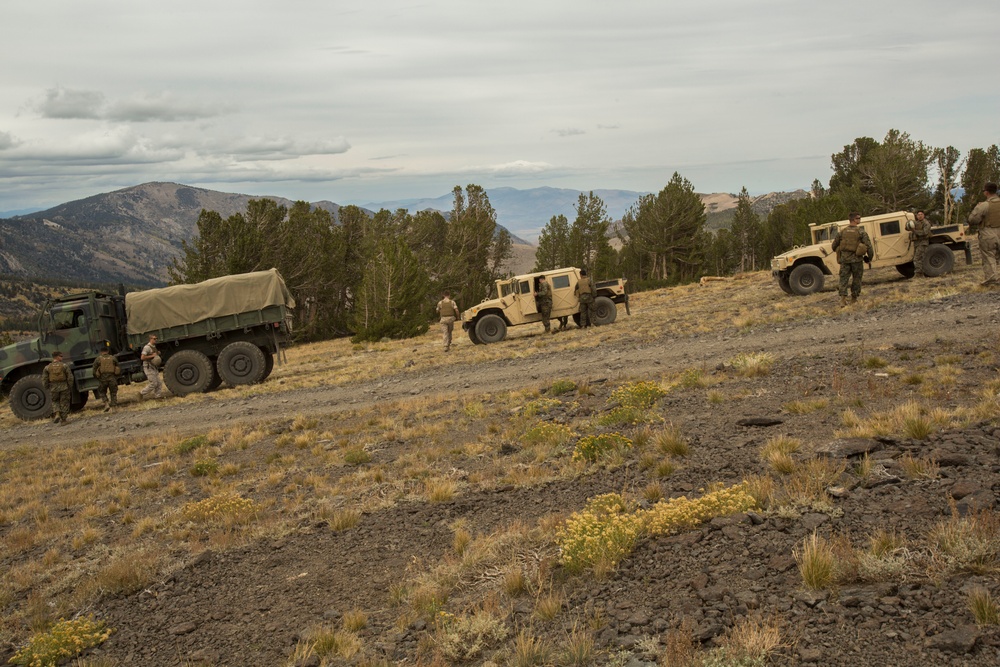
(817, 562)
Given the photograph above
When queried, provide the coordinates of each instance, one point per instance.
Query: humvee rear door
(527, 298)
(562, 294)
(891, 240)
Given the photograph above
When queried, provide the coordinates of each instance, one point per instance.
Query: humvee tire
(241, 363)
(605, 311)
(906, 270)
(783, 284)
(472, 336)
(29, 400)
(805, 279)
(188, 372)
(491, 329)
(938, 260)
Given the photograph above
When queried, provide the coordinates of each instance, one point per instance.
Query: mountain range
(132, 235)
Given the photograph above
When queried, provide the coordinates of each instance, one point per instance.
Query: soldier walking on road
(448, 311)
(55, 378)
(852, 245)
(106, 372)
(150, 359)
(543, 301)
(986, 217)
(921, 235)
(584, 291)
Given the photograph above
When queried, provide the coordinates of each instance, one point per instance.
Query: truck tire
(472, 336)
(491, 329)
(216, 378)
(783, 283)
(605, 311)
(805, 279)
(29, 400)
(80, 403)
(188, 372)
(268, 363)
(241, 363)
(906, 270)
(939, 260)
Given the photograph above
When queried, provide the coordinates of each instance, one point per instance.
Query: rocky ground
(254, 603)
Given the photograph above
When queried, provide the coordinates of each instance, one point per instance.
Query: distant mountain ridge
(132, 235)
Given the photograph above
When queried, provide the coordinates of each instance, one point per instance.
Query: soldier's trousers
(155, 386)
(586, 310)
(60, 400)
(447, 325)
(107, 386)
(545, 310)
(919, 251)
(989, 249)
(851, 274)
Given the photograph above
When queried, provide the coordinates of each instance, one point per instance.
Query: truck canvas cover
(217, 297)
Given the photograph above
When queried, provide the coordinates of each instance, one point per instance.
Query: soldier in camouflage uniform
(543, 301)
(986, 218)
(55, 378)
(106, 371)
(851, 244)
(585, 292)
(921, 235)
(447, 310)
(150, 357)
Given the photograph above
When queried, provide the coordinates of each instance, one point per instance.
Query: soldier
(55, 378)
(584, 291)
(150, 357)
(986, 217)
(448, 311)
(543, 301)
(106, 371)
(852, 245)
(921, 235)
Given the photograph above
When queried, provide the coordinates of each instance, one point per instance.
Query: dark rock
(976, 502)
(183, 628)
(963, 488)
(813, 521)
(810, 655)
(708, 630)
(843, 448)
(960, 640)
(947, 459)
(759, 421)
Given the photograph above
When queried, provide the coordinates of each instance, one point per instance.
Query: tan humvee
(801, 270)
(515, 303)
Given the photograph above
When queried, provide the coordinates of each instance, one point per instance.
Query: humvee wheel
(605, 311)
(783, 283)
(805, 279)
(906, 270)
(241, 363)
(491, 329)
(29, 400)
(188, 372)
(939, 260)
(472, 336)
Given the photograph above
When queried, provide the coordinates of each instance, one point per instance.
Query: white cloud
(8, 140)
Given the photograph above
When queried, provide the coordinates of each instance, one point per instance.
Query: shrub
(592, 447)
(356, 456)
(984, 608)
(677, 514)
(753, 364)
(226, 508)
(560, 387)
(192, 444)
(640, 395)
(541, 406)
(671, 442)
(548, 433)
(601, 534)
(464, 638)
(204, 468)
(816, 562)
(64, 640)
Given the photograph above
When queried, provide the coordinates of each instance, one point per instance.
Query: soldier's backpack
(850, 239)
(57, 373)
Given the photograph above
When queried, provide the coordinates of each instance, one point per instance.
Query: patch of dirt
(251, 605)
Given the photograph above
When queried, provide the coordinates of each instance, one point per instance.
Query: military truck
(802, 270)
(515, 303)
(224, 329)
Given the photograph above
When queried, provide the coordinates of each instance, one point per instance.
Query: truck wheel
(784, 284)
(491, 329)
(906, 270)
(216, 378)
(939, 260)
(605, 311)
(268, 363)
(79, 403)
(472, 336)
(188, 372)
(29, 400)
(805, 279)
(241, 363)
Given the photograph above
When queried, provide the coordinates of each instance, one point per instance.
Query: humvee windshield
(822, 234)
(506, 288)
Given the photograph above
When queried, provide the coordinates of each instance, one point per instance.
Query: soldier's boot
(854, 298)
(55, 420)
(843, 301)
(548, 329)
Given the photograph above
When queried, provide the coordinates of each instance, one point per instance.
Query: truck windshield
(506, 288)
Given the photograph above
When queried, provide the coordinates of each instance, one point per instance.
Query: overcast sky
(380, 99)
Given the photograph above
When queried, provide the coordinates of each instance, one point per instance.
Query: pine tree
(746, 234)
(553, 245)
(392, 302)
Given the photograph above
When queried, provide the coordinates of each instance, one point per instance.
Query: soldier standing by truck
(986, 217)
(107, 370)
(543, 301)
(448, 312)
(584, 291)
(921, 235)
(55, 378)
(851, 245)
(149, 356)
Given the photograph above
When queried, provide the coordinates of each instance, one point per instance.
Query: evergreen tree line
(372, 276)
(663, 240)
